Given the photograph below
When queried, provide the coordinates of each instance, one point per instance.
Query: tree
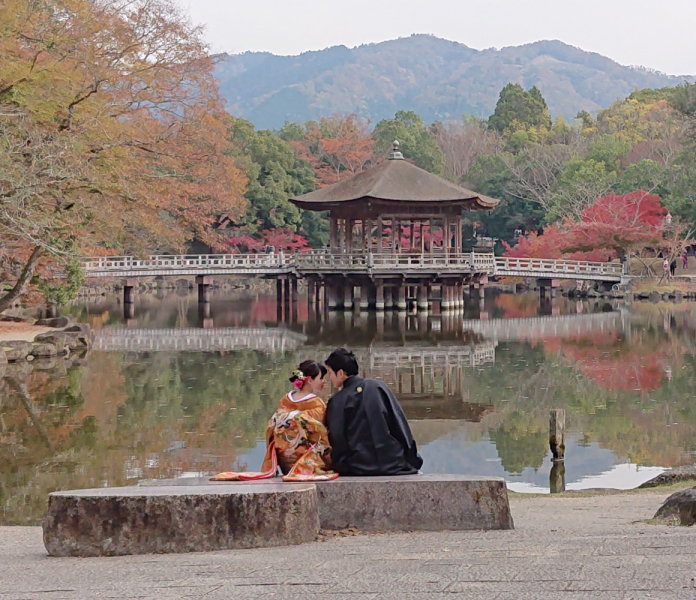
(417, 142)
(112, 133)
(336, 147)
(460, 143)
(275, 175)
(519, 109)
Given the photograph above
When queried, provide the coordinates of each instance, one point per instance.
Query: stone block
(3, 356)
(43, 350)
(415, 503)
(16, 349)
(142, 520)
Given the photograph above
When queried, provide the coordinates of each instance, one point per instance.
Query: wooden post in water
(557, 445)
(557, 433)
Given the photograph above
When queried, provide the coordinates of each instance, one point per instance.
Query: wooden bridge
(321, 263)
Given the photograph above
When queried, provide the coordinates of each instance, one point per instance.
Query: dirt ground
(20, 331)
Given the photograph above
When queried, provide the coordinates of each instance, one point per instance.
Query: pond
(176, 390)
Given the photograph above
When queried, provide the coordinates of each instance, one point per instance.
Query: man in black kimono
(368, 430)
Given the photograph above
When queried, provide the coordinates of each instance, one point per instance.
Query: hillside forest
(114, 139)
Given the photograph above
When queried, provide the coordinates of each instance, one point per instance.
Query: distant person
(296, 436)
(368, 430)
(665, 269)
(673, 267)
(685, 260)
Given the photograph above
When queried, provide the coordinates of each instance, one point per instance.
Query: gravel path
(568, 548)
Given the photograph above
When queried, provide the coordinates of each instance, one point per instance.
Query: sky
(658, 34)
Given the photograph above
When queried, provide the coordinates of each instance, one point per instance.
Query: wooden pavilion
(405, 225)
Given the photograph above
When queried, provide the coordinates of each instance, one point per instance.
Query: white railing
(322, 261)
(559, 267)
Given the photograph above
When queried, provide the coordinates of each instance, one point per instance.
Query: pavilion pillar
(379, 303)
(279, 292)
(364, 295)
(380, 233)
(401, 297)
(293, 297)
(348, 295)
(446, 234)
(286, 291)
(331, 293)
(333, 234)
(349, 236)
(422, 296)
(388, 298)
(446, 297)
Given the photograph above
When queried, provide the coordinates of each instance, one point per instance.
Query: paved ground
(572, 548)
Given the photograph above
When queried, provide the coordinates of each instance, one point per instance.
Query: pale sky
(659, 34)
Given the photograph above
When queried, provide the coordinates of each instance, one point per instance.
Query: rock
(143, 520)
(680, 507)
(3, 356)
(17, 319)
(43, 349)
(654, 297)
(57, 322)
(16, 350)
(670, 476)
(56, 339)
(45, 363)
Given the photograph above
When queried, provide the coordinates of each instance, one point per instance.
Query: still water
(179, 391)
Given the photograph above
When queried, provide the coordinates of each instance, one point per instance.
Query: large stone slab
(415, 503)
(140, 520)
(403, 503)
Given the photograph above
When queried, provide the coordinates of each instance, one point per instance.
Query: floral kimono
(296, 440)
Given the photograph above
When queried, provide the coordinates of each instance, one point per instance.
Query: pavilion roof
(394, 180)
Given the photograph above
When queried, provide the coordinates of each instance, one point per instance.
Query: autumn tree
(337, 147)
(112, 134)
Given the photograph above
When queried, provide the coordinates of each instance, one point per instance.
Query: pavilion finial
(395, 153)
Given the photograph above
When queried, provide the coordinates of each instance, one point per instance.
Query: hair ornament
(300, 380)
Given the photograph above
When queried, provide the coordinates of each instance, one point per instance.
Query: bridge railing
(557, 266)
(202, 261)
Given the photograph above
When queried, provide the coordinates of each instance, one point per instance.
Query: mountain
(436, 78)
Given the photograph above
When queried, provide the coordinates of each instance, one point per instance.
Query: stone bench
(142, 520)
(194, 514)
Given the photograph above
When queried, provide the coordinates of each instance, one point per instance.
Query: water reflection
(181, 387)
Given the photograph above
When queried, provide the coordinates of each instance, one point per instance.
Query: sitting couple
(367, 431)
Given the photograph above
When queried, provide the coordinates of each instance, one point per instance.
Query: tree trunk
(27, 273)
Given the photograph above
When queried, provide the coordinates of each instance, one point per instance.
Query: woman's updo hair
(308, 368)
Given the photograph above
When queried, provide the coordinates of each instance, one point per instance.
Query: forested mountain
(436, 78)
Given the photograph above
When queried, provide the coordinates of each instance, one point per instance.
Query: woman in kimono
(296, 437)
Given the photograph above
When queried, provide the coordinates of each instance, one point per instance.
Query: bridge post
(311, 292)
(482, 286)
(286, 296)
(459, 294)
(293, 283)
(129, 290)
(331, 293)
(204, 282)
(379, 302)
(551, 284)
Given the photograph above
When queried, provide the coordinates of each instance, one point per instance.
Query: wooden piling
(557, 434)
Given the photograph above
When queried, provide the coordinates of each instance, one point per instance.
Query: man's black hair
(342, 358)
